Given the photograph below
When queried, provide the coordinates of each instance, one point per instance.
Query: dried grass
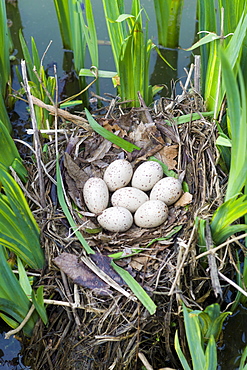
(90, 331)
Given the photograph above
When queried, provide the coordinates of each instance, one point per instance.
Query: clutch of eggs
(127, 200)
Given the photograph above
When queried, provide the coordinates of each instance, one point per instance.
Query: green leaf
(223, 140)
(9, 155)
(211, 36)
(124, 144)
(105, 74)
(38, 301)
(243, 360)
(211, 320)
(23, 279)
(19, 230)
(138, 291)
(189, 117)
(180, 353)
(167, 172)
(194, 338)
(229, 212)
(13, 300)
(211, 355)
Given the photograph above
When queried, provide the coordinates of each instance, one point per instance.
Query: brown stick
(62, 113)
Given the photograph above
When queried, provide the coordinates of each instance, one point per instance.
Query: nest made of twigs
(88, 330)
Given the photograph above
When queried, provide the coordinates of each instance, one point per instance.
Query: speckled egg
(147, 175)
(168, 189)
(118, 174)
(151, 214)
(115, 219)
(96, 195)
(128, 197)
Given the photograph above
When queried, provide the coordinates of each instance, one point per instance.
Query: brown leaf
(138, 262)
(101, 151)
(167, 155)
(82, 275)
(74, 171)
(184, 200)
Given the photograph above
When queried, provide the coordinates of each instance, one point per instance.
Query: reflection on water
(234, 340)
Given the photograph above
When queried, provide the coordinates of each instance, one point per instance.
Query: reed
(168, 17)
(202, 330)
(4, 64)
(9, 155)
(131, 50)
(19, 230)
(42, 87)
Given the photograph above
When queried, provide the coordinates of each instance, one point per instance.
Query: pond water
(38, 19)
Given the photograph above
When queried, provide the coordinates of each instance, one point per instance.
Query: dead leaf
(184, 200)
(82, 275)
(139, 262)
(115, 128)
(101, 151)
(75, 172)
(167, 155)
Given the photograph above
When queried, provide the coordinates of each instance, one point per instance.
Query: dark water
(37, 18)
(10, 358)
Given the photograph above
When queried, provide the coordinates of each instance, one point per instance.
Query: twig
(22, 324)
(212, 264)
(145, 362)
(37, 144)
(213, 250)
(236, 286)
(73, 305)
(197, 74)
(143, 104)
(45, 52)
(64, 114)
(180, 267)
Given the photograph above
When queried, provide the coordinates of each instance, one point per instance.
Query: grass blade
(138, 291)
(237, 113)
(194, 338)
(129, 147)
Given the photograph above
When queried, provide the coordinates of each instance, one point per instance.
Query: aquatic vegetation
(9, 155)
(19, 241)
(4, 64)
(78, 32)
(202, 331)
(19, 230)
(168, 17)
(131, 50)
(42, 87)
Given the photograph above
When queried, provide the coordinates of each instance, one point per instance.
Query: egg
(151, 214)
(128, 197)
(146, 175)
(167, 190)
(115, 219)
(96, 194)
(118, 174)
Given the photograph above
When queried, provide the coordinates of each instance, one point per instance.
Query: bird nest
(94, 324)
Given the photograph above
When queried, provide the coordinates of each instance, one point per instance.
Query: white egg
(151, 214)
(116, 219)
(128, 197)
(167, 189)
(118, 174)
(146, 175)
(96, 195)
